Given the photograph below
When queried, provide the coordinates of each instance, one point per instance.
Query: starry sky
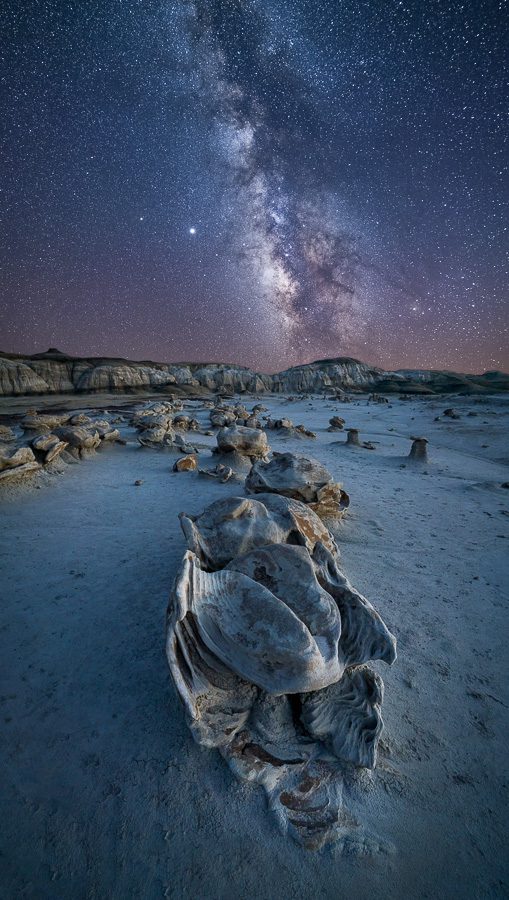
(265, 182)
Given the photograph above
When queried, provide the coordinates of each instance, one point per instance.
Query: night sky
(264, 182)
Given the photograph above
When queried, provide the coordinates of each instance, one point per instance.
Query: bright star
(192, 230)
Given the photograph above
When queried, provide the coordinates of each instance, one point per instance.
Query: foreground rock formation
(267, 643)
(55, 372)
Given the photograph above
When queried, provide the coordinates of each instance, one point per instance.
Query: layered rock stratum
(54, 372)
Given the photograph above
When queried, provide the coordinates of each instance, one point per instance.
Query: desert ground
(106, 796)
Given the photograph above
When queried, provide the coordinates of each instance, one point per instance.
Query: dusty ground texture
(105, 795)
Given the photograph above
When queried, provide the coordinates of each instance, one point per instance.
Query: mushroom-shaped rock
(185, 464)
(250, 442)
(256, 634)
(353, 437)
(48, 447)
(235, 525)
(299, 477)
(419, 449)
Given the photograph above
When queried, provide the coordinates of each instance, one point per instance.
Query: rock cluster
(267, 643)
(160, 424)
(287, 427)
(76, 436)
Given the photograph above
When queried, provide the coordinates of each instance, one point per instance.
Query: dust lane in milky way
(258, 182)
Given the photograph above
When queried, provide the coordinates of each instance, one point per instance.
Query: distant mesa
(56, 372)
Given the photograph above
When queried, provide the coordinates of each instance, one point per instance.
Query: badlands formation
(54, 372)
(257, 515)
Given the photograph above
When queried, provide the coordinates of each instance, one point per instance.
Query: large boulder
(250, 442)
(235, 525)
(301, 478)
(267, 643)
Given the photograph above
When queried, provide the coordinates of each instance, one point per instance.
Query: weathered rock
(346, 716)
(221, 472)
(364, 635)
(48, 447)
(252, 422)
(181, 444)
(242, 639)
(250, 442)
(81, 440)
(303, 479)
(451, 413)
(10, 474)
(43, 422)
(304, 790)
(353, 437)
(336, 423)
(114, 377)
(419, 449)
(279, 424)
(282, 644)
(185, 464)
(106, 432)
(53, 372)
(19, 457)
(6, 434)
(17, 464)
(235, 525)
(222, 417)
(80, 419)
(17, 377)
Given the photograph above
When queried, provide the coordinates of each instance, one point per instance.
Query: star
(192, 230)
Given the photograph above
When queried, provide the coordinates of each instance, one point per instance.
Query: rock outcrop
(267, 644)
(54, 372)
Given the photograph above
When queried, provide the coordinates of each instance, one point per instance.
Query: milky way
(256, 181)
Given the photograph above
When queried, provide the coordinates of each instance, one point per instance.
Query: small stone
(185, 464)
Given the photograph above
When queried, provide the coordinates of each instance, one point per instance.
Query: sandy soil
(105, 795)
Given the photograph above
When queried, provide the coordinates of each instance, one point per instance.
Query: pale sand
(104, 793)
